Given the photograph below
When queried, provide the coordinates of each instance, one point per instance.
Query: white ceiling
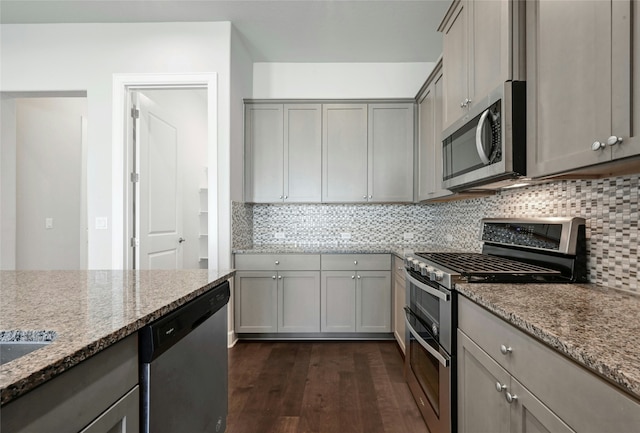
(274, 30)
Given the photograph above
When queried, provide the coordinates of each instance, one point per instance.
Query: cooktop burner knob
(439, 275)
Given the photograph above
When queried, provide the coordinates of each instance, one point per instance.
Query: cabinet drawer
(275, 262)
(354, 262)
(579, 397)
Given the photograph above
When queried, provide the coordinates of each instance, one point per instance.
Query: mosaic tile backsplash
(609, 206)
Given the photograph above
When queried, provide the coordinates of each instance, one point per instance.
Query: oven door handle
(446, 362)
(430, 290)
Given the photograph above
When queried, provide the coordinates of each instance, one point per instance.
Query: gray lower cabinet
(282, 301)
(491, 400)
(399, 302)
(356, 293)
(509, 381)
(99, 395)
(356, 301)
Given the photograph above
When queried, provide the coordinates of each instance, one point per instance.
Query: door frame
(122, 258)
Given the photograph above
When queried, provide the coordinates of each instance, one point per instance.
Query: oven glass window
(425, 306)
(426, 370)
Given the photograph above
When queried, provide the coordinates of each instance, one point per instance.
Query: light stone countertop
(336, 248)
(598, 328)
(88, 311)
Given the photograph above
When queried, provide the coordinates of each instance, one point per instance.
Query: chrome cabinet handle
(358, 276)
(286, 197)
(505, 350)
(500, 387)
(279, 277)
(613, 140)
(353, 277)
(273, 277)
(511, 397)
(364, 197)
(355, 262)
(280, 197)
(370, 197)
(277, 262)
(479, 145)
(598, 145)
(181, 240)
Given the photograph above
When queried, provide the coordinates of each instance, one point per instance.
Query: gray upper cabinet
(430, 139)
(264, 161)
(578, 102)
(390, 151)
(344, 153)
(367, 153)
(283, 153)
(302, 152)
(478, 57)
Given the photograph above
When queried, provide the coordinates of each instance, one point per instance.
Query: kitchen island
(89, 311)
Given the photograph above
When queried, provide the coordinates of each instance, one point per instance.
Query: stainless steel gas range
(514, 251)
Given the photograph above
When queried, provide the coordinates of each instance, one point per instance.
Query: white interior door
(159, 199)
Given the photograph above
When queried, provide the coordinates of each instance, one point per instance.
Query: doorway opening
(175, 104)
(44, 180)
(169, 178)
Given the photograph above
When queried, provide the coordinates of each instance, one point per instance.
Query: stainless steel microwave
(487, 148)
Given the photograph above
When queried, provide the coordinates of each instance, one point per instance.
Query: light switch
(48, 223)
(101, 223)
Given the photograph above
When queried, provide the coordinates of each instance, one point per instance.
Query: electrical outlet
(279, 235)
(48, 223)
(345, 235)
(407, 236)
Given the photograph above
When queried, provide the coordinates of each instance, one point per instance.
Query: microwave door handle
(435, 353)
(479, 145)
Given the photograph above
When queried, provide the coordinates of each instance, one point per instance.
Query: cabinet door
(399, 302)
(390, 153)
(256, 302)
(344, 152)
(482, 407)
(298, 301)
(625, 91)
(529, 415)
(302, 153)
(373, 301)
(426, 143)
(489, 47)
(264, 153)
(455, 64)
(122, 417)
(568, 84)
(338, 297)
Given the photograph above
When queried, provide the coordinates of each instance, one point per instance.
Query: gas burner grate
(470, 264)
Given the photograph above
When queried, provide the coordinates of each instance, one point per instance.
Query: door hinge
(135, 177)
(135, 242)
(135, 113)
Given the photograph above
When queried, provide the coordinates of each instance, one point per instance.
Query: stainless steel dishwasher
(183, 367)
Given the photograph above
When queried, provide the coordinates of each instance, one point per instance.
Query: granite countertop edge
(613, 372)
(28, 381)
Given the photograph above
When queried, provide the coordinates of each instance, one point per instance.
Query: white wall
(188, 108)
(339, 80)
(63, 57)
(48, 182)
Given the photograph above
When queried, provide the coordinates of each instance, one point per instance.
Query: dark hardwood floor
(319, 387)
